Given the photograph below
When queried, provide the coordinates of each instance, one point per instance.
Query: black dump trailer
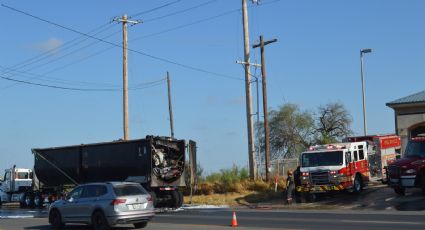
(158, 163)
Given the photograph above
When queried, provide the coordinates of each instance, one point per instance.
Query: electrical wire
(120, 46)
(180, 11)
(154, 9)
(140, 87)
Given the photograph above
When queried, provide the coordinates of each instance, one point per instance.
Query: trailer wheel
(400, 191)
(181, 199)
(175, 201)
(38, 201)
(29, 200)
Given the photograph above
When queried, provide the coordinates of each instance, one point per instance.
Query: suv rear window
(129, 190)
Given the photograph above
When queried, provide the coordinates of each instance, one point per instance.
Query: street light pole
(363, 51)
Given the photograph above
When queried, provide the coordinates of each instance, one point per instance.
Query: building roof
(411, 99)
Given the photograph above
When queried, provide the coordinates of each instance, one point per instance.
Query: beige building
(409, 113)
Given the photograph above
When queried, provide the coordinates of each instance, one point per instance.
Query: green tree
(291, 131)
(333, 123)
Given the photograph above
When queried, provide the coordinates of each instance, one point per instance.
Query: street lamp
(363, 51)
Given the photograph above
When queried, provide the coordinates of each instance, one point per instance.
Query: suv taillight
(149, 198)
(118, 201)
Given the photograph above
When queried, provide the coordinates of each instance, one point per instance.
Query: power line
(120, 46)
(154, 9)
(70, 44)
(180, 11)
(149, 85)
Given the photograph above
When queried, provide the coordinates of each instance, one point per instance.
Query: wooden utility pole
(124, 21)
(266, 120)
(251, 147)
(170, 108)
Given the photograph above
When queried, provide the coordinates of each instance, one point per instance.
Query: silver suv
(103, 205)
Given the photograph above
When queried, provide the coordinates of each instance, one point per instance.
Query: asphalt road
(376, 208)
(259, 219)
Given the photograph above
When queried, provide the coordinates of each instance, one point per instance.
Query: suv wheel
(55, 219)
(99, 221)
(400, 191)
(140, 225)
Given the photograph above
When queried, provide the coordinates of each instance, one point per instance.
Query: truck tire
(175, 199)
(28, 200)
(357, 184)
(400, 191)
(181, 199)
(154, 199)
(38, 201)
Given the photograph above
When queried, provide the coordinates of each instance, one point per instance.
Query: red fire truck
(334, 167)
(382, 150)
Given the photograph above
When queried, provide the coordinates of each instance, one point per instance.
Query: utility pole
(266, 120)
(258, 173)
(124, 21)
(170, 108)
(252, 168)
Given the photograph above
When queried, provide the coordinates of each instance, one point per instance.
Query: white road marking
(381, 222)
(15, 217)
(388, 199)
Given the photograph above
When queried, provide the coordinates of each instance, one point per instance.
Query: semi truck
(157, 163)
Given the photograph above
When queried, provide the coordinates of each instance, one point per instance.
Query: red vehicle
(409, 171)
(334, 167)
(382, 150)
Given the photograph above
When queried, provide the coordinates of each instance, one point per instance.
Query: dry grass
(235, 199)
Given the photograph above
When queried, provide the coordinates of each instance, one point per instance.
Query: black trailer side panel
(115, 161)
(47, 162)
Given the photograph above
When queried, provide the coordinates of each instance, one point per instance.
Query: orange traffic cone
(234, 221)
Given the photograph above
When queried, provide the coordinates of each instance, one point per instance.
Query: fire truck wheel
(400, 191)
(357, 185)
(311, 197)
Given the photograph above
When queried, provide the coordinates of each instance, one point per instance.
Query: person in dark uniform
(297, 182)
(289, 187)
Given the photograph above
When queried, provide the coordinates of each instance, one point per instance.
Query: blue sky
(315, 61)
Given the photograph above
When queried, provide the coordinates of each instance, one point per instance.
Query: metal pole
(363, 94)
(170, 108)
(251, 153)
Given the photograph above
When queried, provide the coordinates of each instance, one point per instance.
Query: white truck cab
(15, 182)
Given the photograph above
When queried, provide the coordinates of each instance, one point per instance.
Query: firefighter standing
(289, 187)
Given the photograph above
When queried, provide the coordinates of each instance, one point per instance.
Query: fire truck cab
(334, 167)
